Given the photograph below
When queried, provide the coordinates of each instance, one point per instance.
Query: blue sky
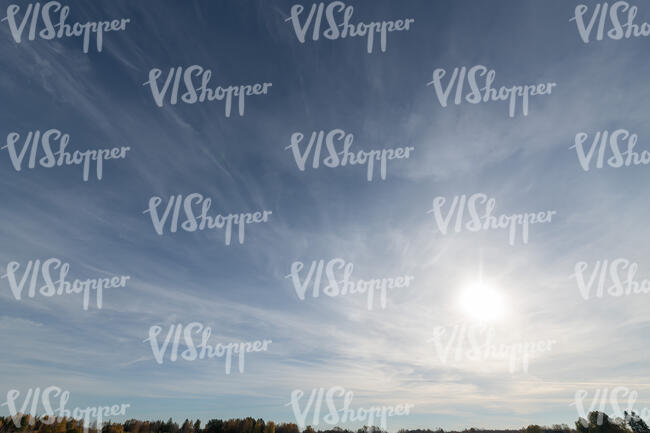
(383, 227)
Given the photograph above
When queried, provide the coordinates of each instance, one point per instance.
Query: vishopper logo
(179, 334)
(338, 17)
(50, 31)
(342, 285)
(46, 141)
(97, 413)
(618, 157)
(486, 93)
(343, 415)
(202, 93)
(619, 273)
(616, 402)
(200, 220)
(344, 157)
(477, 343)
(35, 269)
(620, 18)
(515, 223)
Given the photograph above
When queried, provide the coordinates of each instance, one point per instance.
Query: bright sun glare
(483, 303)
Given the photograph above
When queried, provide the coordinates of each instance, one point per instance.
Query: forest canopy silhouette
(596, 422)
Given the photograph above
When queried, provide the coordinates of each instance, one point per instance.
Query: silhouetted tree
(599, 422)
(269, 427)
(533, 429)
(636, 423)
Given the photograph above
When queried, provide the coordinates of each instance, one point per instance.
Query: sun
(482, 303)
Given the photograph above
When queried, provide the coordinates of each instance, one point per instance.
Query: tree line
(596, 422)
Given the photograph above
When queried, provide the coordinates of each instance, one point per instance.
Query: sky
(385, 355)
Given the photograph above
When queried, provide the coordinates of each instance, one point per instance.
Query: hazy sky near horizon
(384, 227)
